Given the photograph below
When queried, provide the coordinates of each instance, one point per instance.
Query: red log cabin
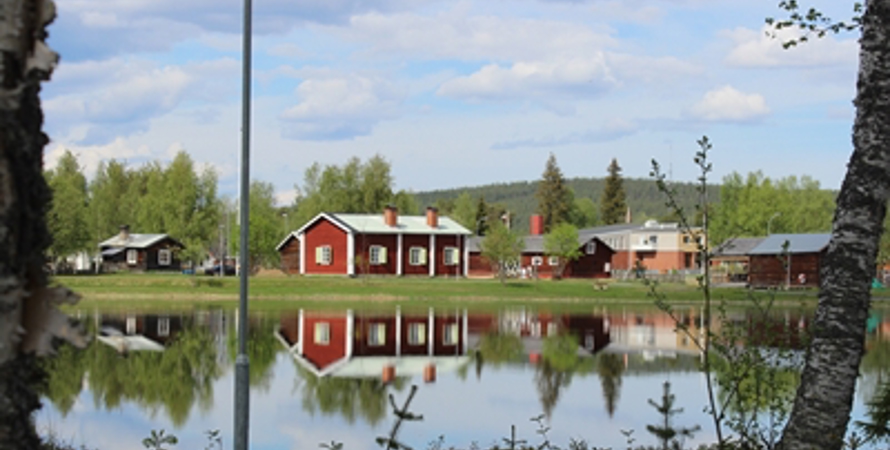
(377, 244)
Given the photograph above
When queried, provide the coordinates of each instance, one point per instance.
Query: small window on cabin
(417, 334)
(164, 326)
(449, 334)
(322, 333)
(653, 240)
(537, 261)
(164, 257)
(687, 239)
(591, 248)
(417, 256)
(553, 261)
(323, 255)
(377, 334)
(450, 256)
(377, 255)
(132, 257)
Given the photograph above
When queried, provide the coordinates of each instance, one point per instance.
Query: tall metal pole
(242, 364)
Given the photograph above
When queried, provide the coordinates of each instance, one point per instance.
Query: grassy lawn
(147, 290)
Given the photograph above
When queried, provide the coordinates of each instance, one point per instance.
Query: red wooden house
(354, 344)
(377, 244)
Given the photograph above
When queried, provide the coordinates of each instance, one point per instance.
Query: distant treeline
(643, 197)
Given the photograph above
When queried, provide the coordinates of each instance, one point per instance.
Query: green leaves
(67, 218)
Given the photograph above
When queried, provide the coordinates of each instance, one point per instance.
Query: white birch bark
(824, 399)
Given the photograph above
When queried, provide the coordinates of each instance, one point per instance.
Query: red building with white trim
(377, 244)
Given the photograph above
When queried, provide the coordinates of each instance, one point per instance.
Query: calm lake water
(322, 376)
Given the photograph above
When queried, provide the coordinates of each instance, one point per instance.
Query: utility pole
(242, 364)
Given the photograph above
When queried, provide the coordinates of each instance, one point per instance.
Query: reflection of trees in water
(559, 363)
(172, 380)
(610, 368)
(262, 348)
(351, 398)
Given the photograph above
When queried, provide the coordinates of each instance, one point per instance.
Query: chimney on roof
(391, 215)
(125, 233)
(432, 216)
(537, 225)
(628, 218)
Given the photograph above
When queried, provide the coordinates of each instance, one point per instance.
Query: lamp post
(769, 222)
(242, 363)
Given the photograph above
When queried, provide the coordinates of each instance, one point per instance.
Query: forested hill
(643, 197)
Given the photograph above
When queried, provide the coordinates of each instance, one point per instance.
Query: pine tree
(554, 197)
(481, 227)
(613, 205)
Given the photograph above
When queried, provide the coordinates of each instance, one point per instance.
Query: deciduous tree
(562, 242)
(67, 217)
(501, 247)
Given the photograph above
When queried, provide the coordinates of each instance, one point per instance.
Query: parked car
(214, 270)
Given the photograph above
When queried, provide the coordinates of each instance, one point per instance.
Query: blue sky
(452, 93)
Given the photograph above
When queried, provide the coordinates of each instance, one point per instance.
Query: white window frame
(590, 249)
(165, 257)
(374, 255)
(537, 261)
(376, 337)
(163, 326)
(131, 325)
(450, 256)
(416, 333)
(450, 334)
(132, 256)
(323, 255)
(417, 256)
(322, 333)
(553, 261)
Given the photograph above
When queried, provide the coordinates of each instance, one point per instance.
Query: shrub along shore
(274, 292)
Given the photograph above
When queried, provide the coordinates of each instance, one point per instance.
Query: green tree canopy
(555, 199)
(67, 217)
(266, 225)
(613, 205)
(501, 247)
(562, 242)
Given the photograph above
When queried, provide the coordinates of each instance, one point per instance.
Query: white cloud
(729, 105)
(609, 131)
(758, 49)
(534, 80)
(453, 35)
(119, 96)
(340, 107)
(90, 156)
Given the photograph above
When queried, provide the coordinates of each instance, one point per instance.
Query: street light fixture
(770, 222)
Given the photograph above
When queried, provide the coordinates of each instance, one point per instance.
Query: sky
(452, 93)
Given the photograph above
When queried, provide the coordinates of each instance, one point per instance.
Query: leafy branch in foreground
(811, 23)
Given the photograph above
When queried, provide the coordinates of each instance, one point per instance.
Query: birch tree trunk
(25, 61)
(822, 407)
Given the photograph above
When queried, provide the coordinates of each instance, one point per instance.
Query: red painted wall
(413, 240)
(321, 233)
(323, 355)
(449, 241)
(363, 243)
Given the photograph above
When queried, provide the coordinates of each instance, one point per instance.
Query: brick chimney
(391, 215)
(537, 225)
(432, 216)
(125, 233)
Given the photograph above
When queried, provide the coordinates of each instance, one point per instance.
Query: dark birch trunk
(25, 61)
(822, 407)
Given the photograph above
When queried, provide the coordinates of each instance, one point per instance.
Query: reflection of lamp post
(770, 222)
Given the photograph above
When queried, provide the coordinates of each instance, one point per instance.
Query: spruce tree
(482, 225)
(554, 197)
(613, 205)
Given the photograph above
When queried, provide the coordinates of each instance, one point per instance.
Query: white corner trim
(350, 253)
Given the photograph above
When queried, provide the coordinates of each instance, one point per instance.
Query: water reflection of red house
(369, 344)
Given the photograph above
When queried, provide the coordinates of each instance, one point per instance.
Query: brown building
(376, 244)
(731, 260)
(787, 260)
(128, 252)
